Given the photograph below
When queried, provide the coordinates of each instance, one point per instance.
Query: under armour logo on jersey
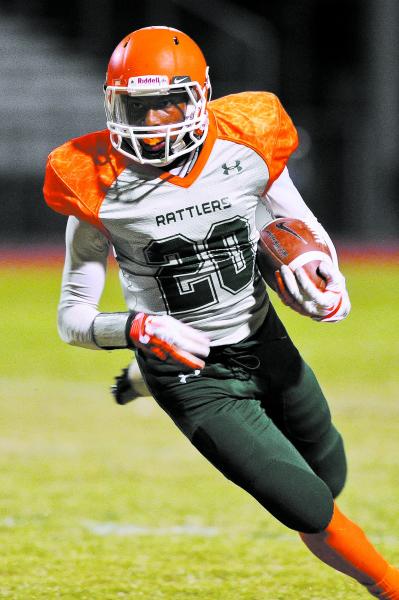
(227, 168)
(184, 376)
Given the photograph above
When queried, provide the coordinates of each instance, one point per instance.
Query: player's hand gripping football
(167, 338)
(298, 292)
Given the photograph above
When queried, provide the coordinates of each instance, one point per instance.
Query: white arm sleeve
(82, 282)
(282, 199)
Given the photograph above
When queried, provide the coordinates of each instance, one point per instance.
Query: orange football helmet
(159, 62)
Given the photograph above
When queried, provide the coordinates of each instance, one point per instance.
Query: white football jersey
(190, 252)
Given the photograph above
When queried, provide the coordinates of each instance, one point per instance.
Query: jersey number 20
(185, 273)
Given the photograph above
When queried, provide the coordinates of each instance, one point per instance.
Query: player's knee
(296, 497)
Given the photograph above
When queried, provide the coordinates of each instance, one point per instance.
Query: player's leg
(233, 431)
(217, 411)
(291, 396)
(344, 546)
(324, 450)
(298, 406)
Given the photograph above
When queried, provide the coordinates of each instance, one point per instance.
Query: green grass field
(105, 502)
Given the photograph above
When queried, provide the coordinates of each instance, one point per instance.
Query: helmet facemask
(134, 139)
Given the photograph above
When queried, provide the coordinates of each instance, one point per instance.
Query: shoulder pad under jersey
(79, 173)
(257, 120)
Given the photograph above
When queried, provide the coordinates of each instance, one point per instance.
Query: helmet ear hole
(176, 40)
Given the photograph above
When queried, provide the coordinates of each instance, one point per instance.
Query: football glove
(298, 292)
(169, 339)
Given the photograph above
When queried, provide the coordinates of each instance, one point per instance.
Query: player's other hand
(298, 292)
(167, 338)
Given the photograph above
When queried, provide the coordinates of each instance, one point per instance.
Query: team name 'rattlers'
(191, 212)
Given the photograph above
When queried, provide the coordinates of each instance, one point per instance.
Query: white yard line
(126, 529)
(105, 528)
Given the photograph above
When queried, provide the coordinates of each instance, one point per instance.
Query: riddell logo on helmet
(149, 81)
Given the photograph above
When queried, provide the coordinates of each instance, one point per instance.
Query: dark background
(334, 65)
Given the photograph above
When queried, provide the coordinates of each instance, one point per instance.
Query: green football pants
(257, 413)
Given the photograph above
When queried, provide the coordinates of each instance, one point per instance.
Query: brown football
(294, 243)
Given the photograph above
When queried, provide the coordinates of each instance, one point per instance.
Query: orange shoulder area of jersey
(257, 120)
(79, 173)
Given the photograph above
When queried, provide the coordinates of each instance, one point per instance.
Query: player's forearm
(82, 283)
(82, 325)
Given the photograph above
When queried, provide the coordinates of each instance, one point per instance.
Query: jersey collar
(201, 161)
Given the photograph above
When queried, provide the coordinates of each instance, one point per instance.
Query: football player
(173, 185)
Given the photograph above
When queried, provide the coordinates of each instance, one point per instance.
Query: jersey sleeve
(79, 321)
(282, 199)
(82, 282)
(258, 120)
